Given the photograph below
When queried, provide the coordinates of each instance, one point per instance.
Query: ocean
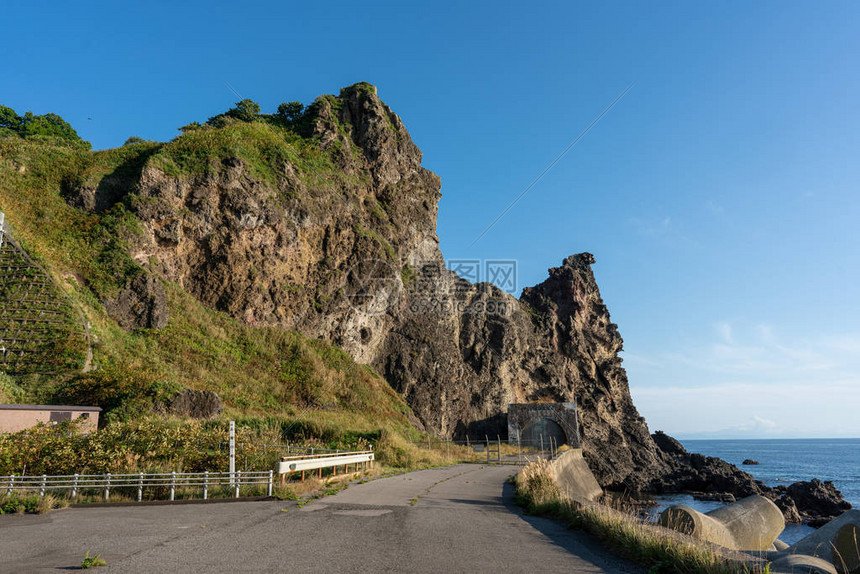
(783, 461)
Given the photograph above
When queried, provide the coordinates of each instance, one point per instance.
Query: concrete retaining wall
(573, 476)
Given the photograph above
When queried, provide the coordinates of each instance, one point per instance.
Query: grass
(656, 548)
(92, 561)
(408, 275)
(17, 503)
(265, 146)
(277, 377)
(329, 488)
(68, 241)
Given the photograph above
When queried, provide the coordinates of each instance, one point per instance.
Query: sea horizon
(782, 461)
(694, 437)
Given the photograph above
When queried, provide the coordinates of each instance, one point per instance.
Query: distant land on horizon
(718, 435)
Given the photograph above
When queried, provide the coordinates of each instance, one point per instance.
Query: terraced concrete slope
(40, 330)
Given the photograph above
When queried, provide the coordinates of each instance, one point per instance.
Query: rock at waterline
(818, 502)
(750, 461)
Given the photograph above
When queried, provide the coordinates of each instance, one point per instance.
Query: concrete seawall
(573, 476)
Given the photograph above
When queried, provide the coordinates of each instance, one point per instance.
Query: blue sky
(719, 196)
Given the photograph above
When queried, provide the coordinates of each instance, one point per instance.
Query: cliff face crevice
(348, 252)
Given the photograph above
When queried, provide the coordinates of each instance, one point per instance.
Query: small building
(14, 418)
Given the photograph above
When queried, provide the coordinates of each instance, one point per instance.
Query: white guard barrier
(298, 463)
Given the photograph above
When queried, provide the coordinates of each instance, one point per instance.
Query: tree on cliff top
(245, 110)
(31, 125)
(290, 112)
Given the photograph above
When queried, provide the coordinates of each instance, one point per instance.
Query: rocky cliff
(327, 226)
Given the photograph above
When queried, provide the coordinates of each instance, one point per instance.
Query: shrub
(18, 504)
(190, 127)
(133, 140)
(32, 126)
(245, 110)
(30, 503)
(9, 119)
(48, 125)
(143, 445)
(10, 391)
(290, 112)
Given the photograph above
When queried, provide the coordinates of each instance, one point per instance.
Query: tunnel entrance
(541, 431)
(556, 422)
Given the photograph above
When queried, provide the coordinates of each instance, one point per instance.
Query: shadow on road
(576, 542)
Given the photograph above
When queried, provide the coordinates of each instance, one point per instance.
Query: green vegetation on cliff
(276, 383)
(49, 128)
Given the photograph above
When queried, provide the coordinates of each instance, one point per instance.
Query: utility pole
(232, 451)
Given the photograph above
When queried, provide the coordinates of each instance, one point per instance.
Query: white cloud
(756, 423)
(745, 410)
(651, 227)
(752, 381)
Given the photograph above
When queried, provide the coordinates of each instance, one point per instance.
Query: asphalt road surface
(455, 519)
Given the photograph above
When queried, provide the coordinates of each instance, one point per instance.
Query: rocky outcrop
(195, 404)
(697, 474)
(141, 304)
(817, 502)
(669, 445)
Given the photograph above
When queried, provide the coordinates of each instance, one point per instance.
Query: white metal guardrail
(140, 481)
(289, 464)
(75, 483)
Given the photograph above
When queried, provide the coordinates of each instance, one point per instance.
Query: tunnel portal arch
(542, 430)
(528, 421)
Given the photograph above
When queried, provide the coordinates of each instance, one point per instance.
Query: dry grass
(395, 451)
(657, 548)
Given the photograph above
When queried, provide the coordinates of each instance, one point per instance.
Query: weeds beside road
(656, 548)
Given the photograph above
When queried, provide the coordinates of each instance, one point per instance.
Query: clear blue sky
(719, 196)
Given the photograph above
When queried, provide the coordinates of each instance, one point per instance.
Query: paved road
(454, 519)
